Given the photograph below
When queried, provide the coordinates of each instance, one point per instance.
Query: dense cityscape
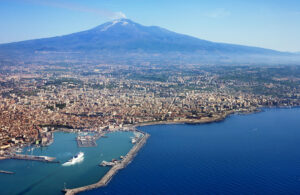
(149, 97)
(36, 100)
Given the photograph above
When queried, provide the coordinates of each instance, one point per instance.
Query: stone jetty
(32, 157)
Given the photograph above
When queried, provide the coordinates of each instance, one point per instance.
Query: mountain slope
(124, 36)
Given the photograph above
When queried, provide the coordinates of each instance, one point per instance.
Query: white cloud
(119, 15)
(218, 13)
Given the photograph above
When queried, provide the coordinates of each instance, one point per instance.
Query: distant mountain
(124, 37)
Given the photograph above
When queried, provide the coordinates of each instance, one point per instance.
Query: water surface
(245, 154)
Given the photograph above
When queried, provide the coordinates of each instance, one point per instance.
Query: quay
(105, 163)
(115, 168)
(88, 140)
(32, 157)
(7, 172)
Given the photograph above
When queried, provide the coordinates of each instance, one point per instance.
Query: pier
(88, 140)
(115, 168)
(34, 158)
(105, 163)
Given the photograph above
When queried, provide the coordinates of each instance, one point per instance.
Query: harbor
(116, 166)
(56, 176)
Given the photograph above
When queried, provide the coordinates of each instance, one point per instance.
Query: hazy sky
(271, 24)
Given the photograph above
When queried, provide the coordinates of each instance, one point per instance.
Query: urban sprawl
(36, 100)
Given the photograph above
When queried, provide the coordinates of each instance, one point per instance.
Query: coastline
(132, 127)
(247, 127)
(217, 118)
(203, 120)
(135, 149)
(132, 153)
(186, 121)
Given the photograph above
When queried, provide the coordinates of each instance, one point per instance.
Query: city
(38, 100)
(158, 97)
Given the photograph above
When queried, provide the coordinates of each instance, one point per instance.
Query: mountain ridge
(104, 29)
(123, 36)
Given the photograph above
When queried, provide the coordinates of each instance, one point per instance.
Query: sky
(273, 24)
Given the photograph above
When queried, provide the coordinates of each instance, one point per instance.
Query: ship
(133, 140)
(137, 136)
(75, 159)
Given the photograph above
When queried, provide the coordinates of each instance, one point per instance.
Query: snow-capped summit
(121, 21)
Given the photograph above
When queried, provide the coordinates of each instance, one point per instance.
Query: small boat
(133, 140)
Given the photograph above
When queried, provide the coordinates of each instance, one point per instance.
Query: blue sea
(244, 154)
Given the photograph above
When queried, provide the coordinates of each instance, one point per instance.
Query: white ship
(136, 137)
(133, 140)
(75, 159)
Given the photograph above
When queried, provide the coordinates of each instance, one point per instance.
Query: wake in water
(76, 159)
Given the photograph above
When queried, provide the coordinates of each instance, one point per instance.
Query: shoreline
(134, 150)
(203, 120)
(133, 127)
(206, 120)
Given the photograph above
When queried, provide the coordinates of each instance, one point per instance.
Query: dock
(88, 141)
(105, 163)
(7, 172)
(34, 158)
(115, 168)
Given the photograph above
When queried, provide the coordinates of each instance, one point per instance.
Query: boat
(137, 134)
(75, 159)
(133, 140)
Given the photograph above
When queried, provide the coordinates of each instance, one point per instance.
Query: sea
(244, 154)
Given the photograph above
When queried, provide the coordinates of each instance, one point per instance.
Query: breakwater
(7, 172)
(32, 157)
(108, 176)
